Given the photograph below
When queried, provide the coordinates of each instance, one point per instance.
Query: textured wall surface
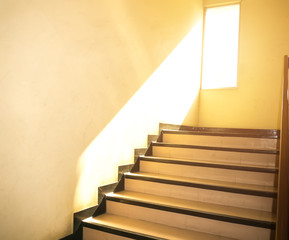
(82, 83)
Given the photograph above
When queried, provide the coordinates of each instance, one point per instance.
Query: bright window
(220, 54)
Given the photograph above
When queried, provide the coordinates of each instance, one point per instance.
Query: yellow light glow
(166, 96)
(220, 55)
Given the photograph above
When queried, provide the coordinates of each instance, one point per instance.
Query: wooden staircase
(195, 183)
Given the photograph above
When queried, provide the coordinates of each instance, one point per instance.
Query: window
(220, 53)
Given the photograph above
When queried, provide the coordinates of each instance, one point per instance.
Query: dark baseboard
(69, 237)
(83, 214)
(123, 169)
(102, 190)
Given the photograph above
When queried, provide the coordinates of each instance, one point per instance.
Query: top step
(262, 133)
(222, 137)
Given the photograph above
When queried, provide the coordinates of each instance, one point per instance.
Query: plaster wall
(263, 41)
(82, 84)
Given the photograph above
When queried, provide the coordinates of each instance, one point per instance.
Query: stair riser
(254, 159)
(267, 179)
(202, 195)
(221, 141)
(93, 234)
(226, 229)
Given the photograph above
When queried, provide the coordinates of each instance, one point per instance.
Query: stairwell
(195, 183)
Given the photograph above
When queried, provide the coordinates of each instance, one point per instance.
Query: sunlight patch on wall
(166, 96)
(220, 54)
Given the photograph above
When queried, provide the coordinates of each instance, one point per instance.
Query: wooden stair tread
(220, 134)
(220, 211)
(145, 229)
(231, 149)
(251, 189)
(213, 164)
(265, 132)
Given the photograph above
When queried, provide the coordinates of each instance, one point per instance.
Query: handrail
(282, 227)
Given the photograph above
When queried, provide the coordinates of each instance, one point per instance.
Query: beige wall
(81, 85)
(264, 39)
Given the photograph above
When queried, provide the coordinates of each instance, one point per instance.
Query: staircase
(195, 183)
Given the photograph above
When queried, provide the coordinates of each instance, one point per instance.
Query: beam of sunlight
(221, 47)
(166, 96)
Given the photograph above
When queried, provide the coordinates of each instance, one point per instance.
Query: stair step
(255, 157)
(194, 183)
(218, 220)
(201, 194)
(247, 150)
(200, 132)
(220, 139)
(208, 210)
(138, 229)
(250, 189)
(212, 164)
(208, 170)
(257, 132)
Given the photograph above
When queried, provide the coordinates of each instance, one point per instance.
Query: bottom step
(113, 227)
